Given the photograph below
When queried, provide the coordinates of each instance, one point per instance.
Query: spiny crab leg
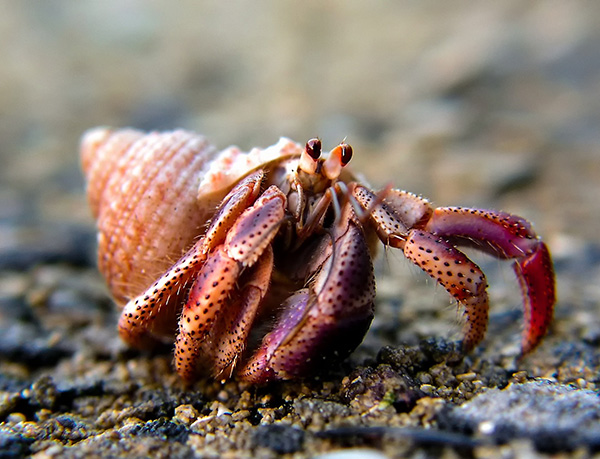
(232, 328)
(161, 300)
(397, 221)
(428, 238)
(138, 324)
(507, 236)
(396, 216)
(458, 275)
(246, 241)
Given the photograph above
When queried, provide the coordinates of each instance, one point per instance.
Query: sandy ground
(491, 105)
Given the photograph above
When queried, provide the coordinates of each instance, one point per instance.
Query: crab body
(276, 276)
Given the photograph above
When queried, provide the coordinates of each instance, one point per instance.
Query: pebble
(186, 414)
(280, 438)
(556, 417)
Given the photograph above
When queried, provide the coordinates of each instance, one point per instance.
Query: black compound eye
(313, 148)
(346, 153)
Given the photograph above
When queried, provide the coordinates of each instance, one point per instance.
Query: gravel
(489, 105)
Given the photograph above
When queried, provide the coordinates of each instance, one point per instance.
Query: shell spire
(142, 188)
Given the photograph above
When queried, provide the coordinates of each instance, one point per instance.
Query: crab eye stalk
(346, 155)
(313, 148)
(309, 159)
(338, 158)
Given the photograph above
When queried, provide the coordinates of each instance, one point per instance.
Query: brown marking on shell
(143, 191)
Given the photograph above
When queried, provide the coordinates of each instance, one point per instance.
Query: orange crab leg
(428, 236)
(232, 328)
(246, 241)
(507, 236)
(210, 291)
(399, 212)
(161, 300)
(457, 274)
(239, 199)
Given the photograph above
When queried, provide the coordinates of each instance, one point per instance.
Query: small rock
(164, 429)
(44, 392)
(186, 414)
(281, 438)
(555, 417)
(14, 446)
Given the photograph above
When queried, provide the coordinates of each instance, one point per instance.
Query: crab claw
(509, 237)
(536, 277)
(217, 282)
(328, 319)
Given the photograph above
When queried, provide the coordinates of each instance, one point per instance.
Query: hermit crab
(258, 264)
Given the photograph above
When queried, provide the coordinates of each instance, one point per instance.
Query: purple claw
(507, 236)
(327, 320)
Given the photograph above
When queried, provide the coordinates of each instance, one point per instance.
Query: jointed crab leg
(428, 238)
(232, 328)
(457, 274)
(507, 236)
(138, 324)
(246, 241)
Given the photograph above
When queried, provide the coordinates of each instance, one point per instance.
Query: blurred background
(492, 104)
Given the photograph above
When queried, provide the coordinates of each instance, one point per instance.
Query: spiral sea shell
(129, 173)
(153, 193)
